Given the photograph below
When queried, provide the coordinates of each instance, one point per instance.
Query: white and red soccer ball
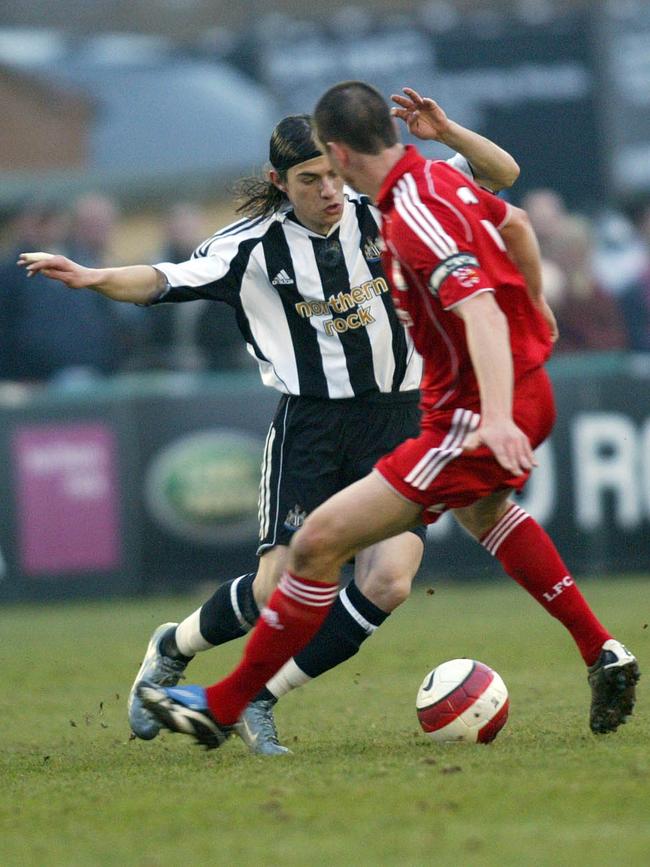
(462, 700)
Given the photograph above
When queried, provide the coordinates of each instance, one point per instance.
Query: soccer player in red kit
(465, 278)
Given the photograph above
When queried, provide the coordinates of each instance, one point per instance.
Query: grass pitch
(363, 786)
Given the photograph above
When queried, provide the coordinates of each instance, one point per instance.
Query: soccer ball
(462, 700)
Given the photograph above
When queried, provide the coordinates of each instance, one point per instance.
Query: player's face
(337, 165)
(342, 163)
(316, 193)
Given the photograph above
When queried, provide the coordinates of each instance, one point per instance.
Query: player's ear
(339, 153)
(277, 181)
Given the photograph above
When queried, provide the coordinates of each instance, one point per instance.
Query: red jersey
(442, 246)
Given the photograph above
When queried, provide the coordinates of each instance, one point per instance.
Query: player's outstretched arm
(487, 334)
(493, 167)
(138, 284)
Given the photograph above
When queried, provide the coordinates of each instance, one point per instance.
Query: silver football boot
(156, 669)
(256, 727)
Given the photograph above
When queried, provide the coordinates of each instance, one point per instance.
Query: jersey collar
(410, 159)
(287, 213)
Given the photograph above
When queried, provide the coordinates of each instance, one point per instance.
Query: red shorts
(434, 471)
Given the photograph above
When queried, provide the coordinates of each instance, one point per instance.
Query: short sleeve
(459, 278)
(217, 267)
(497, 208)
(438, 248)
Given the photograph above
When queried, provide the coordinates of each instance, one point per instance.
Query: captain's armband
(455, 263)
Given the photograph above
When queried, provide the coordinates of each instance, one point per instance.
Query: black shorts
(316, 447)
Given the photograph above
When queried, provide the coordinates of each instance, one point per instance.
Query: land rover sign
(203, 487)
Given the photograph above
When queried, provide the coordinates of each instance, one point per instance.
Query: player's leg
(383, 576)
(300, 469)
(363, 514)
(528, 555)
(229, 613)
(358, 516)
(365, 430)
(234, 607)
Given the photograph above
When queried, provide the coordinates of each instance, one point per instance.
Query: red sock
(528, 555)
(293, 615)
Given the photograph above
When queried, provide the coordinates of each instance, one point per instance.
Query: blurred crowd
(596, 274)
(596, 277)
(51, 333)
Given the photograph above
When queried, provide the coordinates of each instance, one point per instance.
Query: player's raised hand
(57, 268)
(508, 443)
(423, 116)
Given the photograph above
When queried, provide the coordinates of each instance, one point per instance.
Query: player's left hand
(57, 268)
(423, 116)
(507, 442)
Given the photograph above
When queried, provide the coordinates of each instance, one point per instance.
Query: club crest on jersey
(467, 277)
(295, 518)
(459, 262)
(372, 250)
(467, 196)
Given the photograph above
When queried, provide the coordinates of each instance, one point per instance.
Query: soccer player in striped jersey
(302, 270)
(484, 330)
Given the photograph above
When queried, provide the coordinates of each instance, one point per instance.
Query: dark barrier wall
(591, 490)
(150, 483)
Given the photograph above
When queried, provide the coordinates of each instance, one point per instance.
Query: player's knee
(263, 587)
(480, 517)
(394, 594)
(310, 545)
(386, 588)
(271, 566)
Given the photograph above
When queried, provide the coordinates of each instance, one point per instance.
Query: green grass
(363, 786)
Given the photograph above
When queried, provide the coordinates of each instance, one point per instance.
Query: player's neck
(377, 167)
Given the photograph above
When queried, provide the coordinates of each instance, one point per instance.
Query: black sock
(168, 646)
(231, 612)
(265, 695)
(351, 620)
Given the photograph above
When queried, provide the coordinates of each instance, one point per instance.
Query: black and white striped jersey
(315, 311)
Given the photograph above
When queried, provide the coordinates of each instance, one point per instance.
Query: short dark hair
(356, 114)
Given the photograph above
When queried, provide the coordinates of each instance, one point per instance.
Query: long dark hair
(258, 197)
(292, 142)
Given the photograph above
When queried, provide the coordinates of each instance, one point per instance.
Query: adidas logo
(271, 618)
(282, 279)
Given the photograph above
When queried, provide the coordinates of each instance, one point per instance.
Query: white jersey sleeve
(217, 267)
(459, 162)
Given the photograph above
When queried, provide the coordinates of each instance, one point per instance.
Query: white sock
(289, 677)
(188, 635)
